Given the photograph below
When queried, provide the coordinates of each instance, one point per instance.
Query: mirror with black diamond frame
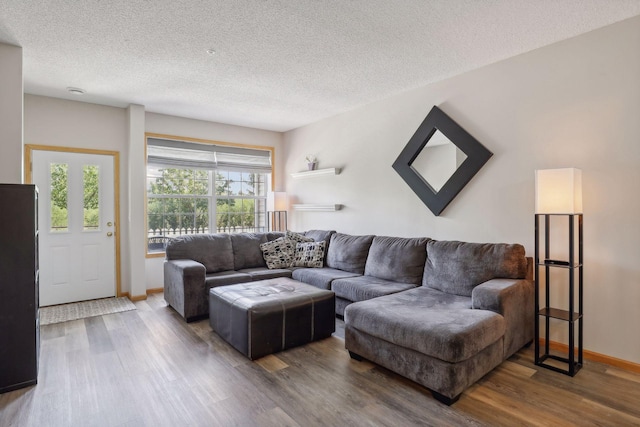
(439, 160)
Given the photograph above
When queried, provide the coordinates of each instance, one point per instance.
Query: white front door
(77, 225)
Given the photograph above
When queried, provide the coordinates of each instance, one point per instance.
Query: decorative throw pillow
(297, 237)
(278, 253)
(309, 254)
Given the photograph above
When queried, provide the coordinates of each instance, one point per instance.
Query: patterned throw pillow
(297, 237)
(278, 253)
(309, 254)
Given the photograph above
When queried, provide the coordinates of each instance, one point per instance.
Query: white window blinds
(171, 153)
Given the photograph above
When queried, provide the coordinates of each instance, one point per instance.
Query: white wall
(171, 125)
(573, 104)
(11, 114)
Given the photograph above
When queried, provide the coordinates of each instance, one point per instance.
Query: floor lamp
(277, 210)
(559, 200)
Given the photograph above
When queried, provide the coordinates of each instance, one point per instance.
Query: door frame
(28, 179)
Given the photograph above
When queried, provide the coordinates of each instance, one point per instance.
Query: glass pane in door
(91, 180)
(58, 174)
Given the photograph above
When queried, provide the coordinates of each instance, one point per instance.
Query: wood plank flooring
(149, 368)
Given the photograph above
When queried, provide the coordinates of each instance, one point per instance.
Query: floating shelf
(317, 208)
(316, 173)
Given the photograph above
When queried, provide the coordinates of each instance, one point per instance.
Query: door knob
(109, 224)
(109, 234)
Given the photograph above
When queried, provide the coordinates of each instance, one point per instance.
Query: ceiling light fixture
(76, 91)
(211, 52)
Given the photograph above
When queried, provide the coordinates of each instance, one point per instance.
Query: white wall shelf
(317, 208)
(316, 173)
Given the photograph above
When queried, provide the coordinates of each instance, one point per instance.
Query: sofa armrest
(184, 285)
(514, 300)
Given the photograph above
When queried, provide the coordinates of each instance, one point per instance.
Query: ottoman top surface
(281, 291)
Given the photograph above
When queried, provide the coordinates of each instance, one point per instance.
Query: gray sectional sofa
(442, 313)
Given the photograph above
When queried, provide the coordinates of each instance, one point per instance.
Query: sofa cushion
(309, 254)
(297, 237)
(246, 250)
(397, 258)
(320, 235)
(458, 267)
(348, 253)
(431, 299)
(418, 320)
(273, 235)
(320, 277)
(214, 251)
(278, 253)
(223, 278)
(262, 273)
(362, 288)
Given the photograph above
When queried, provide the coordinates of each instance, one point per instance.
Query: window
(240, 201)
(201, 188)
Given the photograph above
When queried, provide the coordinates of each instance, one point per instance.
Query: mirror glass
(438, 161)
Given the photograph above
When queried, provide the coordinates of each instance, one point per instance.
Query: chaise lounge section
(472, 312)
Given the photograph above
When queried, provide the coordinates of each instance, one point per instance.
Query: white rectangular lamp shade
(277, 201)
(559, 191)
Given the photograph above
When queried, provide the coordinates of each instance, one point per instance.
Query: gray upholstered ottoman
(267, 316)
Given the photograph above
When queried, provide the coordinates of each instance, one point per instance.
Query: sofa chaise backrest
(458, 267)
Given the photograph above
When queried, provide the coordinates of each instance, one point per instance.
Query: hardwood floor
(148, 367)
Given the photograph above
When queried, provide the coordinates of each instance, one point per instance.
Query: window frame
(211, 196)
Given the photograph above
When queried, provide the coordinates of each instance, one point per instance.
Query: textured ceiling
(278, 64)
